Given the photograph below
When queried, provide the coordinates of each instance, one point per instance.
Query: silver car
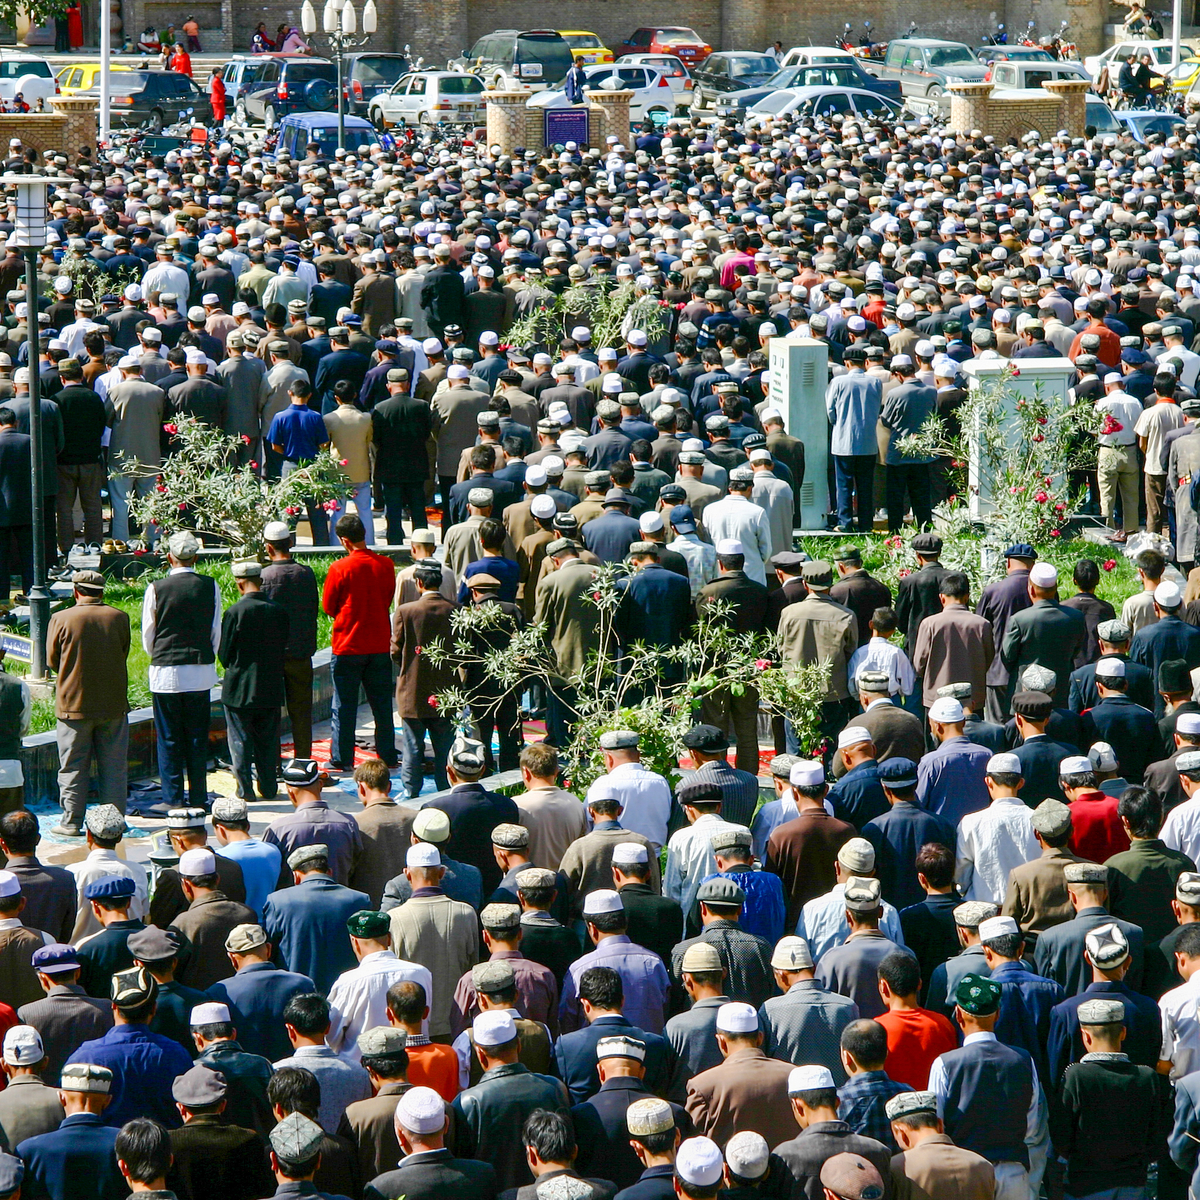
(428, 98)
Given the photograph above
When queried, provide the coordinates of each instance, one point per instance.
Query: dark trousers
(16, 557)
(396, 498)
(855, 473)
(445, 483)
(297, 688)
(502, 715)
(412, 751)
(911, 479)
(318, 518)
(181, 727)
(254, 742)
(372, 673)
(50, 527)
(723, 709)
(561, 716)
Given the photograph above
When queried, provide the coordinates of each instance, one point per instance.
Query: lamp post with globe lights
(339, 22)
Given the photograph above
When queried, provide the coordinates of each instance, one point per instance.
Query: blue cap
(108, 887)
(683, 519)
(388, 346)
(55, 957)
(1021, 550)
(291, 260)
(352, 319)
(898, 773)
(1134, 357)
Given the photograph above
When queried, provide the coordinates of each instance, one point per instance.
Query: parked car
(925, 66)
(1140, 123)
(534, 58)
(1184, 74)
(802, 56)
(822, 102)
(651, 91)
(298, 130)
(679, 40)
(586, 45)
(288, 84)
(78, 76)
(368, 75)
(153, 98)
(990, 54)
(240, 75)
(839, 75)
(1008, 75)
(33, 77)
(427, 97)
(1099, 116)
(1160, 54)
(674, 68)
(729, 71)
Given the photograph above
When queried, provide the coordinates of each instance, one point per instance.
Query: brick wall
(1012, 114)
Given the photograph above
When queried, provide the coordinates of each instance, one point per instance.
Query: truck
(926, 67)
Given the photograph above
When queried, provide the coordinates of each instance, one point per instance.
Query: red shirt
(434, 1066)
(1110, 345)
(358, 595)
(916, 1037)
(1096, 830)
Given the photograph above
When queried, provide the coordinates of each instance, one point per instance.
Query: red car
(684, 43)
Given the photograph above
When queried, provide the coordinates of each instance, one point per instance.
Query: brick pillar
(614, 115)
(506, 124)
(1071, 94)
(82, 123)
(969, 106)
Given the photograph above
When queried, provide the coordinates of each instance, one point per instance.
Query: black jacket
(443, 296)
(400, 429)
(917, 598)
(254, 635)
(16, 501)
(435, 1175)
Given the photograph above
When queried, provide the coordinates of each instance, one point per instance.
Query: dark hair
(144, 1146)
(214, 1032)
(609, 922)
(550, 1134)
(1086, 574)
(1188, 942)
(373, 771)
(387, 1066)
(1007, 945)
(656, 1143)
(20, 831)
(732, 562)
(921, 1120)
(200, 881)
(902, 973)
(1151, 563)
(1140, 806)
(818, 1097)
(883, 620)
(492, 534)
(936, 863)
(866, 1040)
(295, 1089)
(602, 988)
(350, 527)
(307, 1013)
(955, 583)
(698, 1191)
(407, 1000)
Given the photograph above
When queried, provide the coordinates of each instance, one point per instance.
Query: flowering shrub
(609, 312)
(201, 487)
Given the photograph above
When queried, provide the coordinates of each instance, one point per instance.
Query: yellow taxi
(1184, 74)
(586, 45)
(77, 76)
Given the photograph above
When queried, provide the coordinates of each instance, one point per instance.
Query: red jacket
(1096, 830)
(1110, 345)
(358, 595)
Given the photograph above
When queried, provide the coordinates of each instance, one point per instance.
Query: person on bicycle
(1127, 82)
(1148, 79)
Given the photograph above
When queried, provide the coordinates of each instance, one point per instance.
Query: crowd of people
(958, 955)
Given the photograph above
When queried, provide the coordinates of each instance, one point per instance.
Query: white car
(33, 77)
(807, 56)
(673, 67)
(808, 102)
(651, 91)
(1160, 53)
(428, 97)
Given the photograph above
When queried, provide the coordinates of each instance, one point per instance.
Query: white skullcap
(806, 774)
(535, 476)
(432, 345)
(947, 710)
(421, 1110)
(650, 522)
(729, 546)
(193, 355)
(1044, 575)
(736, 1017)
(422, 855)
(605, 900)
(699, 1162)
(1074, 764)
(629, 853)
(1188, 723)
(458, 371)
(1004, 764)
(1113, 668)
(10, 885)
(853, 735)
(200, 861)
(996, 927)
(1168, 595)
(747, 1154)
(209, 1014)
(493, 1028)
(543, 506)
(809, 1079)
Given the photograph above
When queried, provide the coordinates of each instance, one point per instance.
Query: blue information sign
(566, 125)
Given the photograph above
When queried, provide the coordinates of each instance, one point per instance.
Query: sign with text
(565, 125)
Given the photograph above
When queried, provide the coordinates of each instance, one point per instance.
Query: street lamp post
(30, 236)
(339, 22)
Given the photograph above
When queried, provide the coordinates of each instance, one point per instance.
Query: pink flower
(433, 702)
(1038, 437)
(1041, 420)
(1055, 533)
(291, 510)
(171, 429)
(160, 488)
(1109, 564)
(183, 508)
(762, 663)
(345, 462)
(245, 440)
(253, 465)
(418, 650)
(1041, 497)
(330, 505)
(1111, 424)
(1016, 372)
(595, 595)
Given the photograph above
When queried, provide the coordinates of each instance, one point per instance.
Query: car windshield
(380, 70)
(583, 41)
(14, 69)
(672, 37)
(460, 85)
(298, 72)
(327, 138)
(1101, 116)
(949, 56)
(127, 84)
(830, 74)
(774, 102)
(760, 64)
(548, 49)
(877, 106)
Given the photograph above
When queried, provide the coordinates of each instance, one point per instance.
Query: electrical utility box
(799, 375)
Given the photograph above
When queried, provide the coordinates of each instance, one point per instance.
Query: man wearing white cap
(737, 520)
(1046, 633)
(993, 842)
(951, 777)
(1117, 467)
(28, 1107)
(210, 918)
(1167, 638)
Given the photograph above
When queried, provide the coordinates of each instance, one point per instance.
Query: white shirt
(1125, 409)
(881, 655)
(701, 560)
(823, 925)
(1181, 829)
(1181, 1027)
(992, 843)
(167, 277)
(191, 677)
(774, 497)
(1188, 362)
(1036, 1132)
(97, 865)
(73, 334)
(358, 998)
(645, 799)
(690, 859)
(585, 369)
(738, 517)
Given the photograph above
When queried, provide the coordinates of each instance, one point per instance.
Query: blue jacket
(335, 366)
(1039, 767)
(858, 796)
(1132, 732)
(144, 1066)
(603, 1136)
(1143, 1027)
(610, 536)
(77, 1161)
(656, 605)
(655, 1183)
(1184, 1142)
(1168, 638)
(898, 836)
(307, 927)
(852, 403)
(575, 1056)
(257, 996)
(1025, 1005)
(765, 912)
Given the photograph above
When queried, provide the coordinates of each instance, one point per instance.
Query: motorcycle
(843, 39)
(999, 38)
(1029, 37)
(868, 47)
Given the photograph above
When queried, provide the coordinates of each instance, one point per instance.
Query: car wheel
(934, 92)
(156, 121)
(379, 120)
(425, 118)
(269, 116)
(239, 111)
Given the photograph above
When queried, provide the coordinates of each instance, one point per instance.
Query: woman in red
(216, 94)
(181, 61)
(74, 26)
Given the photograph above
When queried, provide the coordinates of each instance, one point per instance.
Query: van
(1006, 76)
(535, 58)
(298, 130)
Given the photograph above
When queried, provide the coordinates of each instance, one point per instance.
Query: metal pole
(105, 76)
(39, 597)
(341, 100)
(1176, 30)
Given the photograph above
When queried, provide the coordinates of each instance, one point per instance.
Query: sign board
(565, 125)
(16, 646)
(799, 375)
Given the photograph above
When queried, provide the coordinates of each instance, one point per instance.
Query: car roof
(523, 32)
(441, 74)
(320, 120)
(929, 42)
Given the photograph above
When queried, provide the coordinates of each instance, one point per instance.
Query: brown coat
(954, 646)
(456, 423)
(747, 1091)
(895, 732)
(206, 924)
(87, 646)
(414, 626)
(944, 1171)
(386, 830)
(18, 980)
(1037, 897)
(375, 301)
(370, 1125)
